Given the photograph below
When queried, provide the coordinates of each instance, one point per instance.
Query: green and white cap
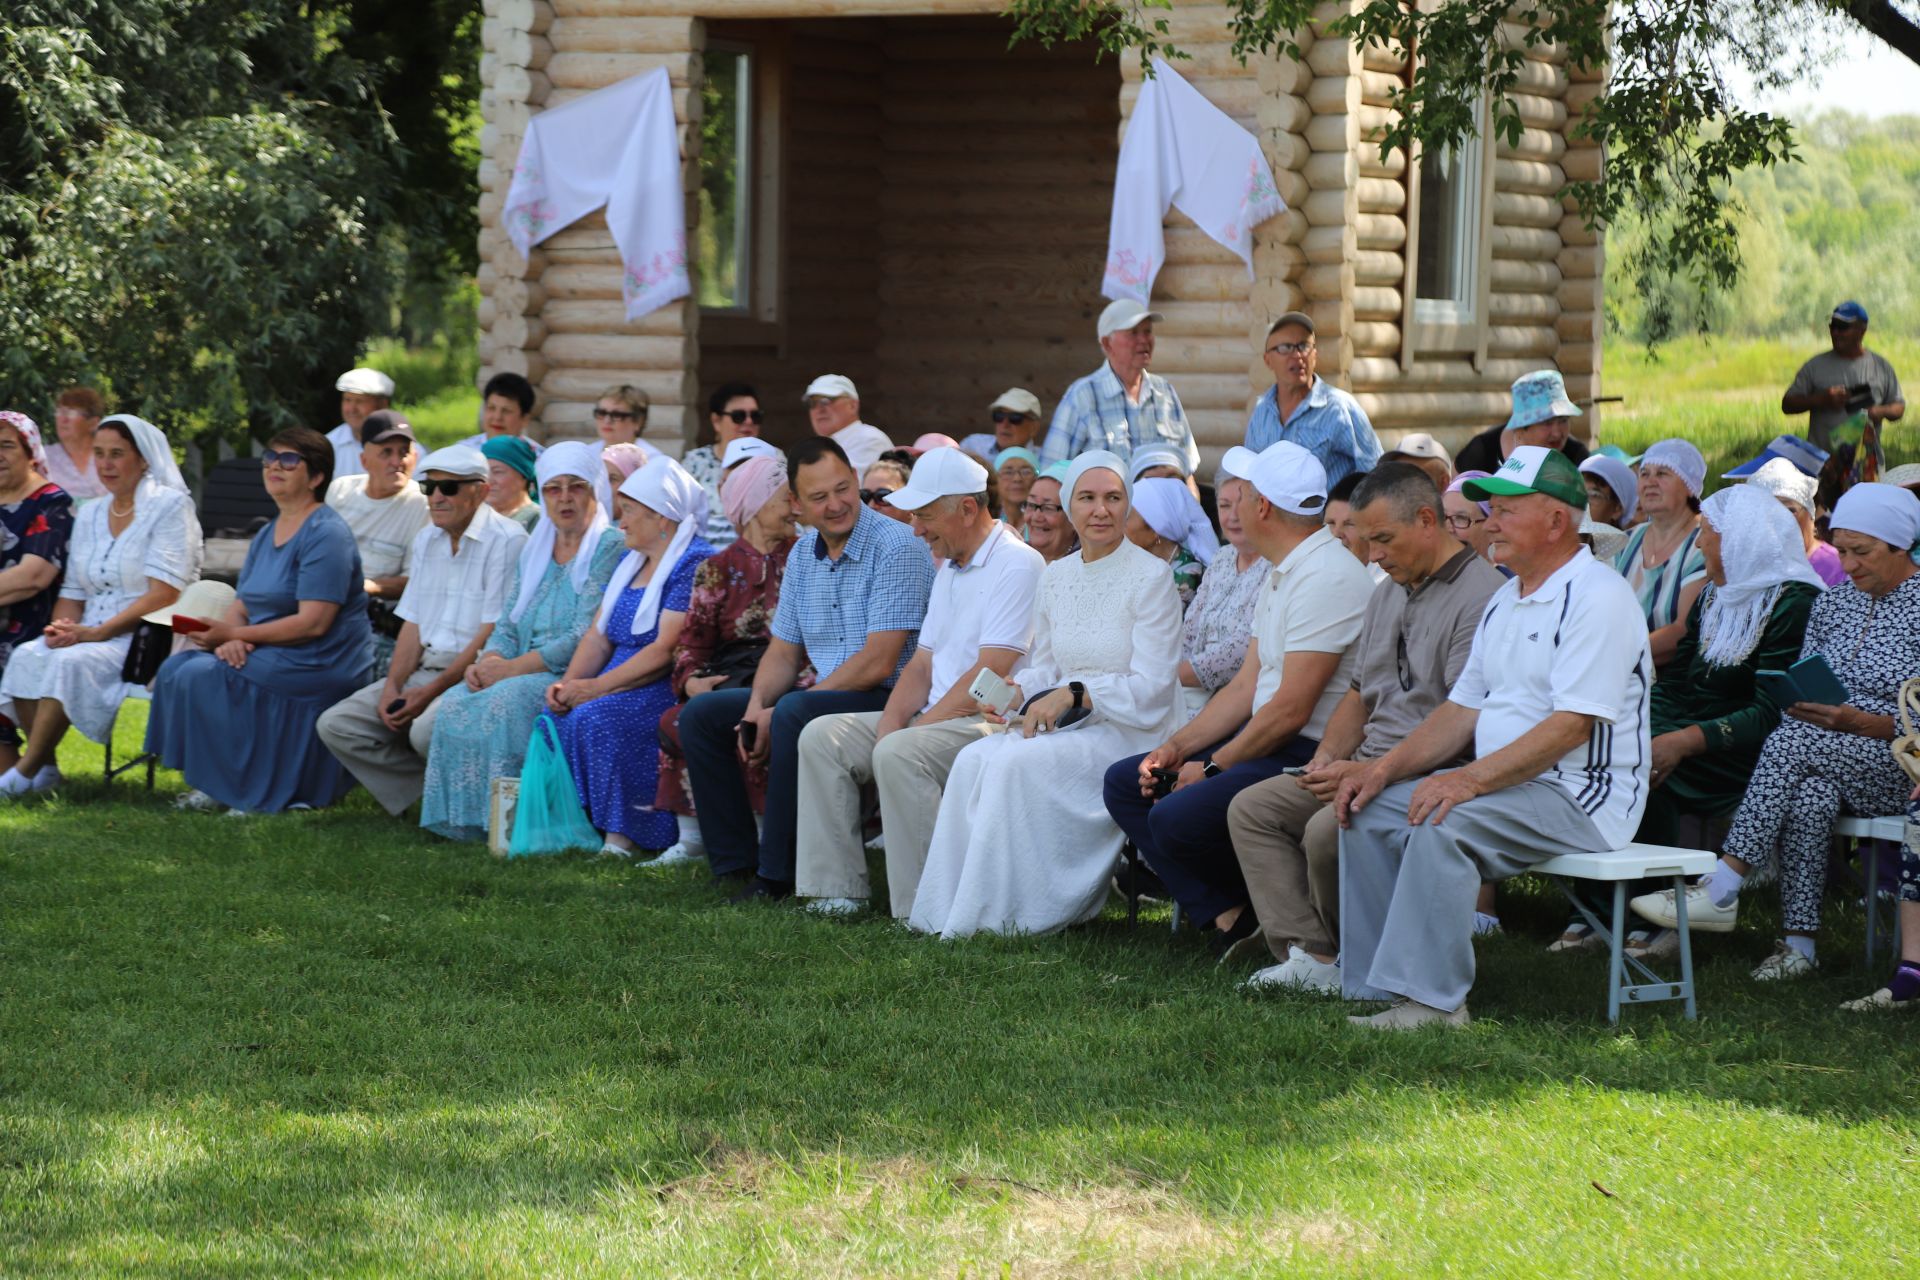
(1532, 468)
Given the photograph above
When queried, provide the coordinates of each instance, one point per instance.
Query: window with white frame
(724, 242)
(1447, 256)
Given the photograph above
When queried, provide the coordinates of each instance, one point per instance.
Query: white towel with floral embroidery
(1183, 151)
(617, 147)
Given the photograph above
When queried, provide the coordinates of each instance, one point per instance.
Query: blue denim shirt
(1329, 424)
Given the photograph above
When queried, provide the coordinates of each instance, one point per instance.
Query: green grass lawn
(327, 1044)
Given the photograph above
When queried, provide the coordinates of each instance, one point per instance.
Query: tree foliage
(1675, 132)
(208, 206)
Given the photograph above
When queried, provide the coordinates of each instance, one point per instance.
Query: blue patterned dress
(612, 743)
(478, 737)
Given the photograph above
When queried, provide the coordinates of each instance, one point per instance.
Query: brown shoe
(1411, 1015)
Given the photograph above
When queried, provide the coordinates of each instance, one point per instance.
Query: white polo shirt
(346, 451)
(1578, 643)
(988, 604)
(451, 597)
(1313, 601)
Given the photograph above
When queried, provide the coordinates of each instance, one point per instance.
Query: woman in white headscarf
(1023, 842)
(1662, 560)
(605, 709)
(482, 727)
(1824, 759)
(133, 552)
(1168, 521)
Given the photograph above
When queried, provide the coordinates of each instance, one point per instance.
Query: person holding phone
(1829, 387)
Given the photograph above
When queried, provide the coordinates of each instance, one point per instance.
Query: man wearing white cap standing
(1271, 715)
(1120, 406)
(462, 564)
(362, 391)
(979, 618)
(1304, 409)
(833, 407)
(1552, 704)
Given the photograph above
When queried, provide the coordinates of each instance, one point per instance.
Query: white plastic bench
(1853, 830)
(1620, 867)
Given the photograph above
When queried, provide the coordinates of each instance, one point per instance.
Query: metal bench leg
(1870, 864)
(1686, 942)
(1176, 915)
(1616, 967)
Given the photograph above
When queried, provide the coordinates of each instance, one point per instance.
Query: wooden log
(1330, 133)
(1521, 340)
(1371, 266)
(1292, 187)
(1325, 244)
(1444, 374)
(1576, 327)
(1326, 209)
(1198, 282)
(1578, 357)
(530, 365)
(618, 351)
(1284, 112)
(1373, 338)
(1517, 209)
(1530, 244)
(1330, 171)
(1515, 276)
(1372, 166)
(1382, 195)
(1377, 87)
(1377, 302)
(1327, 95)
(1540, 113)
(1282, 75)
(1528, 177)
(1324, 281)
(1579, 260)
(1379, 231)
(1392, 59)
(1574, 231)
(606, 315)
(1534, 144)
(570, 385)
(523, 15)
(1580, 294)
(1544, 79)
(1331, 57)
(519, 330)
(621, 35)
(1584, 164)
(1581, 96)
(1522, 308)
(1427, 409)
(1374, 122)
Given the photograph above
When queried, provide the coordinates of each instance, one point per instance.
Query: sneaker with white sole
(47, 779)
(1411, 1015)
(14, 783)
(836, 906)
(1579, 936)
(1881, 1001)
(1784, 964)
(611, 850)
(197, 801)
(1654, 944)
(1298, 972)
(678, 854)
(1702, 915)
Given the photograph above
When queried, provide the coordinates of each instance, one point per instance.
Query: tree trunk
(1893, 28)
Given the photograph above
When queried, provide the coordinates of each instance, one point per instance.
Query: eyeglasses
(1003, 415)
(618, 415)
(1290, 348)
(738, 416)
(449, 487)
(871, 496)
(1042, 508)
(1402, 667)
(286, 461)
(1464, 522)
(814, 402)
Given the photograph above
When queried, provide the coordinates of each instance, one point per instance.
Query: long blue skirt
(612, 747)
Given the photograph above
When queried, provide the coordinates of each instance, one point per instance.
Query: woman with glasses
(1046, 528)
(884, 477)
(1016, 469)
(621, 414)
(510, 479)
(733, 411)
(1467, 519)
(235, 713)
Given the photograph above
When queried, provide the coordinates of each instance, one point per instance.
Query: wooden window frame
(758, 320)
(1454, 335)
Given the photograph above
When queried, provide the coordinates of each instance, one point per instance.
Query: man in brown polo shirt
(1414, 640)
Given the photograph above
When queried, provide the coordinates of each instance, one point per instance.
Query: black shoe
(1225, 940)
(761, 887)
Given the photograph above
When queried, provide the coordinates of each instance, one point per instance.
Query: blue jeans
(1184, 838)
(708, 738)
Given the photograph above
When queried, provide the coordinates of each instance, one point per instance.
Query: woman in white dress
(1023, 843)
(132, 552)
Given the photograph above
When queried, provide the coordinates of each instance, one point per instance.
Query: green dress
(1730, 710)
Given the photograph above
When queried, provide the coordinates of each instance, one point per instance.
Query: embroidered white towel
(615, 147)
(1181, 150)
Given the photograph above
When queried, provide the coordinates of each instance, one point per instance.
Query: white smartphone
(990, 689)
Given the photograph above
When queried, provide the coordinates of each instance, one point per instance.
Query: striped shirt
(1329, 424)
(880, 582)
(1096, 414)
(1579, 644)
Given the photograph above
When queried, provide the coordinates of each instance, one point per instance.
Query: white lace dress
(108, 574)
(1023, 843)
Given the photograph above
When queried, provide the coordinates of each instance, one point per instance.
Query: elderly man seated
(1414, 641)
(979, 618)
(1303, 408)
(1553, 705)
(1016, 421)
(1271, 715)
(463, 563)
(362, 391)
(385, 514)
(1120, 406)
(851, 604)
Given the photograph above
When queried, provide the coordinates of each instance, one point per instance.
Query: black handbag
(152, 645)
(736, 662)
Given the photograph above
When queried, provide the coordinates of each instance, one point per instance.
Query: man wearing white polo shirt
(833, 407)
(1552, 702)
(979, 617)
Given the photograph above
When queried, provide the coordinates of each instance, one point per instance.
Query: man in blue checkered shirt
(1120, 406)
(1303, 408)
(851, 603)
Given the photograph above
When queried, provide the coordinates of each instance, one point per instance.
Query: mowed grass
(328, 1044)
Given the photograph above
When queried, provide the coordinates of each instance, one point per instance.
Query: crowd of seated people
(1328, 718)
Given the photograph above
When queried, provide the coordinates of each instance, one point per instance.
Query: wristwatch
(1211, 770)
(1079, 692)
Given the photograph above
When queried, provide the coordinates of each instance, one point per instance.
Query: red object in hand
(185, 625)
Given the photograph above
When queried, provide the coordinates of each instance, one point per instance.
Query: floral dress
(38, 525)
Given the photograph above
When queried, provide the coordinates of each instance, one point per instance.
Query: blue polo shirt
(880, 582)
(1329, 424)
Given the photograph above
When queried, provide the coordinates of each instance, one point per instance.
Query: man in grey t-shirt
(1827, 382)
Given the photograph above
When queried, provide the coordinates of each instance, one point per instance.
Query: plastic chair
(1851, 831)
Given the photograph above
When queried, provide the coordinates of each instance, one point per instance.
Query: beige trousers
(392, 766)
(1288, 844)
(838, 756)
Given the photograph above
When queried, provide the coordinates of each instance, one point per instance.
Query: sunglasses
(871, 496)
(1003, 415)
(449, 487)
(284, 460)
(738, 416)
(614, 415)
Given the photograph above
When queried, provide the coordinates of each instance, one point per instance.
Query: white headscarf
(661, 486)
(1884, 511)
(1784, 480)
(1097, 460)
(154, 450)
(1171, 510)
(29, 438)
(1681, 458)
(1760, 552)
(1156, 455)
(568, 458)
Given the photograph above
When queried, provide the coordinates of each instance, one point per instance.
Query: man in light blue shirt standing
(1324, 420)
(1120, 406)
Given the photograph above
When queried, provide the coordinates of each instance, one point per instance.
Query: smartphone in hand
(748, 731)
(990, 689)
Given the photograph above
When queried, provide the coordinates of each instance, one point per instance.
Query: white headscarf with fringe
(1760, 552)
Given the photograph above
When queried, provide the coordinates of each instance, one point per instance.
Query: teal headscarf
(514, 452)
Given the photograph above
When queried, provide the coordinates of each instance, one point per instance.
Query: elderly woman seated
(481, 729)
(235, 714)
(1167, 520)
(133, 553)
(605, 710)
(882, 478)
(1825, 758)
(1015, 469)
(36, 521)
(1794, 489)
(1219, 622)
(1661, 559)
(1047, 529)
(511, 479)
(1023, 842)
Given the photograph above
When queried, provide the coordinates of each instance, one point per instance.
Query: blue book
(1808, 680)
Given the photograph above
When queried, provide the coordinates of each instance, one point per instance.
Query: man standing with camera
(1836, 384)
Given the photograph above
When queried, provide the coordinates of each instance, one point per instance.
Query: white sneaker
(1579, 936)
(611, 850)
(238, 813)
(13, 783)
(1300, 972)
(1702, 915)
(197, 802)
(1657, 944)
(1411, 1015)
(47, 779)
(677, 853)
(836, 906)
(1881, 1001)
(1484, 924)
(878, 844)
(1783, 964)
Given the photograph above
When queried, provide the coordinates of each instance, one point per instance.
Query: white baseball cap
(365, 382)
(831, 384)
(1290, 478)
(1124, 313)
(461, 460)
(1418, 444)
(1236, 464)
(939, 473)
(740, 448)
(1019, 400)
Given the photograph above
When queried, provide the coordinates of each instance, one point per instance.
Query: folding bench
(1620, 867)
(1854, 830)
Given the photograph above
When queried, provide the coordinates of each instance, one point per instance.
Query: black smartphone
(396, 705)
(748, 731)
(1163, 780)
